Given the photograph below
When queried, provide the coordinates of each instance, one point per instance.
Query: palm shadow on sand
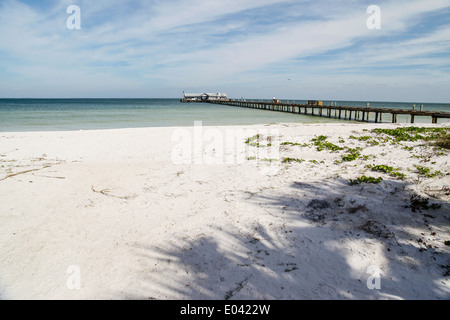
(314, 241)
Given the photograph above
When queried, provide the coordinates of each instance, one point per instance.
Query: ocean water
(18, 115)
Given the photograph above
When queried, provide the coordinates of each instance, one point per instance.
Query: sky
(290, 49)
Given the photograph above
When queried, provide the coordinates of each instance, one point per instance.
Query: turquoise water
(86, 114)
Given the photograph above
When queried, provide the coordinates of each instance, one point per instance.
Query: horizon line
(167, 98)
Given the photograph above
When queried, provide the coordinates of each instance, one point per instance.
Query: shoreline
(319, 121)
(154, 213)
(280, 124)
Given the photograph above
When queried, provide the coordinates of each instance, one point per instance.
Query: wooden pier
(337, 112)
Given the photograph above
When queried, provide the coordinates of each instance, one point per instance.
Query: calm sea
(85, 114)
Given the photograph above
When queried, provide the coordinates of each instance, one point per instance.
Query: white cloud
(174, 44)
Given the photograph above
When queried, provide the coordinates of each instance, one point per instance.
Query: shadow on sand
(312, 241)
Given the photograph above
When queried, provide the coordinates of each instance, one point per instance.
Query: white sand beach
(175, 213)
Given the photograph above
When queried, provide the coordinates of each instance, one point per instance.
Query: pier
(366, 114)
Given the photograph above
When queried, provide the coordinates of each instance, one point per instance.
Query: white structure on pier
(204, 96)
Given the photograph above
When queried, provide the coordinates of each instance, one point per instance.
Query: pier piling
(350, 113)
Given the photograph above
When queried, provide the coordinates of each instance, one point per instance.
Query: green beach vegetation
(433, 136)
(365, 179)
(321, 143)
(388, 170)
(427, 172)
(433, 142)
(290, 160)
(352, 154)
(254, 141)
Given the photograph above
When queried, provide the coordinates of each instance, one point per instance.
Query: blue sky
(292, 49)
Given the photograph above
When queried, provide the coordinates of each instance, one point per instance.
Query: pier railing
(337, 112)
